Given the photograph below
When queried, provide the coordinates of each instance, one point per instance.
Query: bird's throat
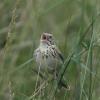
(44, 43)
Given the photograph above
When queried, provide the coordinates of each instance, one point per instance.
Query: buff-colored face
(47, 37)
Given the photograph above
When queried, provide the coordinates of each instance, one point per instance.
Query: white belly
(45, 61)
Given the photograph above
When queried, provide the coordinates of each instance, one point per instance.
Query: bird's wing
(59, 54)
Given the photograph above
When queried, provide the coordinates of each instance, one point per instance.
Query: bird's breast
(45, 58)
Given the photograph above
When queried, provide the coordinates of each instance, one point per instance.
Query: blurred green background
(75, 25)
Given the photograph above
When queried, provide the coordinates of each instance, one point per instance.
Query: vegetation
(75, 25)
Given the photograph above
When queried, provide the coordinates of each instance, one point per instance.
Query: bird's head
(47, 38)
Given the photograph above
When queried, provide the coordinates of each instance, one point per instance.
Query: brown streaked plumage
(48, 56)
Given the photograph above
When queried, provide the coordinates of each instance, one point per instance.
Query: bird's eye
(44, 37)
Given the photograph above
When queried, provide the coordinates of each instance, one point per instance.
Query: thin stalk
(62, 72)
(21, 66)
(91, 67)
(87, 63)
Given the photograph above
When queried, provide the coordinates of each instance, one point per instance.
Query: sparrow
(48, 57)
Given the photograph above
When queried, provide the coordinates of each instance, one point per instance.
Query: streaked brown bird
(48, 57)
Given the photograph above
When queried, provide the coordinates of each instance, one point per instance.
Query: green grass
(76, 28)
